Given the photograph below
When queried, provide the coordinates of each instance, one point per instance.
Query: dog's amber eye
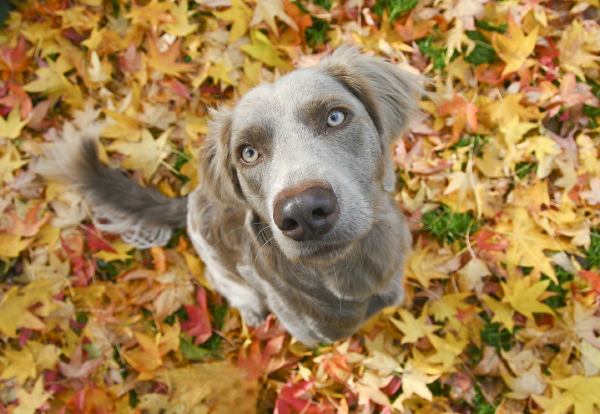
(249, 154)
(335, 118)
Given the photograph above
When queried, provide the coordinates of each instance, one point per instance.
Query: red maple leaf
(593, 279)
(15, 59)
(198, 323)
(295, 398)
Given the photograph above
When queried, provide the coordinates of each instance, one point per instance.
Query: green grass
(448, 226)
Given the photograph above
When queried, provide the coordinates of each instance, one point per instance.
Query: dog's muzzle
(306, 213)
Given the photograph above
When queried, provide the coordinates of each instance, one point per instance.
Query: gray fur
(142, 215)
(324, 289)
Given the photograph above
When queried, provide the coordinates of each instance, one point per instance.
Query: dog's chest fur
(315, 302)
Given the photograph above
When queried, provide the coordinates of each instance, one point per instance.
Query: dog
(295, 213)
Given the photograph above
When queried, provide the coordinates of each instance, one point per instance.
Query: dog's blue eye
(335, 118)
(249, 154)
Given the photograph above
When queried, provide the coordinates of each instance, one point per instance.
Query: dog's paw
(252, 317)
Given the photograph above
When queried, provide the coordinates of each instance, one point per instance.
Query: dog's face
(309, 154)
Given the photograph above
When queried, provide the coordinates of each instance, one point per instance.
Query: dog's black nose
(307, 214)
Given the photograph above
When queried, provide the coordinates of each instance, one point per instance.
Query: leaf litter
(500, 181)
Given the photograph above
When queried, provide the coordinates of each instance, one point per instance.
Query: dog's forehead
(287, 95)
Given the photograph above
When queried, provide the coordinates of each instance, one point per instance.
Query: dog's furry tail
(142, 216)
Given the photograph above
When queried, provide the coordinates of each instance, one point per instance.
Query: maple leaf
(296, 398)
(30, 402)
(593, 195)
(18, 365)
(78, 367)
(413, 328)
(15, 59)
(15, 304)
(579, 48)
(154, 12)
(145, 155)
(181, 25)
(515, 48)
(414, 382)
(165, 61)
(502, 312)
(11, 127)
(464, 113)
(114, 251)
(523, 294)
(258, 362)
(262, 49)
(527, 243)
(239, 14)
(11, 245)
(448, 306)
(576, 391)
(198, 323)
(267, 10)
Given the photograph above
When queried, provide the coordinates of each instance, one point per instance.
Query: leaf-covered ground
(500, 182)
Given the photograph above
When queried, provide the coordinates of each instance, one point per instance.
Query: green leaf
(483, 51)
(190, 351)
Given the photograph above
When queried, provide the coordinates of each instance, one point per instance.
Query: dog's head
(309, 154)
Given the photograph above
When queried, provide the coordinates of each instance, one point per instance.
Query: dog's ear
(216, 167)
(388, 93)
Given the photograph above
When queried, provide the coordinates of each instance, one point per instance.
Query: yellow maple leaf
(426, 264)
(447, 350)
(122, 126)
(576, 391)
(29, 402)
(146, 358)
(10, 128)
(413, 328)
(513, 132)
(448, 305)
(153, 13)
(579, 48)
(120, 253)
(523, 294)
(545, 150)
(10, 162)
(414, 382)
(181, 25)
(145, 155)
(262, 49)
(11, 245)
(220, 72)
(267, 10)
(527, 243)
(239, 13)
(18, 364)
(515, 48)
(166, 61)
(503, 313)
